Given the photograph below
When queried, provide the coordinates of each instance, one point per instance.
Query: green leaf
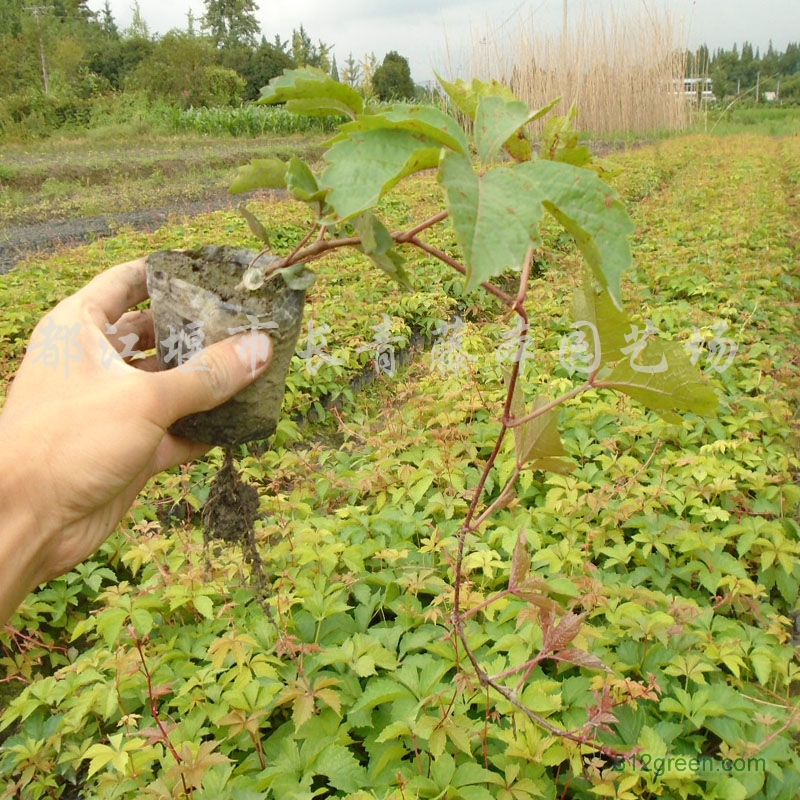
(470, 773)
(204, 605)
(391, 262)
(375, 236)
(560, 141)
(729, 788)
(680, 387)
(109, 624)
(298, 277)
(260, 173)
(500, 122)
(494, 234)
(302, 710)
(142, 621)
(442, 770)
(424, 121)
(366, 165)
(312, 92)
(301, 181)
(377, 243)
(537, 441)
(256, 227)
(592, 212)
(465, 95)
(341, 768)
(380, 692)
(598, 308)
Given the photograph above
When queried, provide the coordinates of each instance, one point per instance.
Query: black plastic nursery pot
(195, 301)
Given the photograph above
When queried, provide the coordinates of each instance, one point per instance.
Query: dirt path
(20, 241)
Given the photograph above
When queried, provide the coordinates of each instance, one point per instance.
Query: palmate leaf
(367, 164)
(680, 387)
(341, 768)
(423, 120)
(312, 92)
(495, 235)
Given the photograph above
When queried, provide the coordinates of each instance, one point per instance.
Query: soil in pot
(196, 301)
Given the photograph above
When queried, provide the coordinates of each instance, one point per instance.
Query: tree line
(56, 57)
(747, 71)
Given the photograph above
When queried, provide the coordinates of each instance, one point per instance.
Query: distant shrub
(33, 114)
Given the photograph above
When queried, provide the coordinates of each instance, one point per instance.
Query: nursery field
(654, 626)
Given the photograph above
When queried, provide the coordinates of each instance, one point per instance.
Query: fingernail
(255, 351)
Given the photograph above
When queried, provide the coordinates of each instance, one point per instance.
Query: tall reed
(623, 71)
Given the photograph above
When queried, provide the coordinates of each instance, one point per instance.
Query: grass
(75, 177)
(772, 120)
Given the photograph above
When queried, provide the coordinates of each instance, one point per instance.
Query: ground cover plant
(152, 671)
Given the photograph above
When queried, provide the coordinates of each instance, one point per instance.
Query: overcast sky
(426, 30)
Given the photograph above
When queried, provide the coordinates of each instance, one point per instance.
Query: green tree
(392, 79)
(258, 67)
(107, 22)
(138, 28)
(719, 82)
(10, 18)
(231, 23)
(306, 53)
(183, 70)
(116, 59)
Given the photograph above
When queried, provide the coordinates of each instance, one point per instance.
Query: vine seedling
(496, 189)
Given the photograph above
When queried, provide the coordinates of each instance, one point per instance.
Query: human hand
(77, 444)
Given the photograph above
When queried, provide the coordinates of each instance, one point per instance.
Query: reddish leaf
(567, 630)
(581, 658)
(520, 561)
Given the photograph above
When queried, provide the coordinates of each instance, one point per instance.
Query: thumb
(215, 374)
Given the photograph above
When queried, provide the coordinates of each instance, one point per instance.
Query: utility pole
(38, 11)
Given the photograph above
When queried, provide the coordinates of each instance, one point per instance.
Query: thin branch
(498, 503)
(154, 709)
(511, 696)
(451, 262)
(406, 236)
(514, 422)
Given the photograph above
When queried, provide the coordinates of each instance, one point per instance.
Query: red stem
(154, 708)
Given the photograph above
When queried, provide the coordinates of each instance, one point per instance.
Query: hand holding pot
(82, 429)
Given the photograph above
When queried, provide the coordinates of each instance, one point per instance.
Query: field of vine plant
(650, 627)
